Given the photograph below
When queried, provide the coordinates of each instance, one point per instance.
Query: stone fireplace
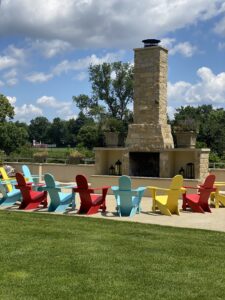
(149, 148)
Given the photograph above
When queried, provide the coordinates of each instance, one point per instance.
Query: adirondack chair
(217, 198)
(7, 179)
(90, 202)
(8, 198)
(34, 179)
(199, 202)
(59, 201)
(30, 199)
(168, 204)
(127, 199)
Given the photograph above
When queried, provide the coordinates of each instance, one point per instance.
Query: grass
(61, 257)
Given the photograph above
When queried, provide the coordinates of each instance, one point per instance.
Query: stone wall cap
(110, 148)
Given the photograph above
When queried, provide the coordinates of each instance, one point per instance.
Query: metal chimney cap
(151, 42)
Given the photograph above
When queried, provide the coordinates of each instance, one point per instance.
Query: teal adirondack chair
(8, 198)
(59, 201)
(128, 200)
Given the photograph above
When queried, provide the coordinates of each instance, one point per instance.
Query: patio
(187, 219)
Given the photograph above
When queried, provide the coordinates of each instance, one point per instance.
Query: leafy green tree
(112, 91)
(39, 129)
(6, 109)
(211, 125)
(88, 136)
(58, 132)
(12, 137)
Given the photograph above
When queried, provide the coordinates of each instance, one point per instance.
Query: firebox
(144, 164)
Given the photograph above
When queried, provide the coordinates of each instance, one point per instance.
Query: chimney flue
(151, 42)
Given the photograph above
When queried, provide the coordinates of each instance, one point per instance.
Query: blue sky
(47, 46)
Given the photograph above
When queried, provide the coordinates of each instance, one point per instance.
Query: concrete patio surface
(187, 219)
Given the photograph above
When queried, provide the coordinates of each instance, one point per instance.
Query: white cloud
(10, 74)
(38, 77)
(12, 100)
(100, 23)
(185, 48)
(209, 89)
(12, 81)
(26, 112)
(69, 117)
(50, 101)
(7, 62)
(81, 76)
(84, 63)
(51, 48)
(64, 108)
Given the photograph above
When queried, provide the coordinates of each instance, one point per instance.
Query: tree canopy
(6, 109)
(112, 91)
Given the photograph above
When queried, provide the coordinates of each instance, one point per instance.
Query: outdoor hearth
(144, 164)
(149, 149)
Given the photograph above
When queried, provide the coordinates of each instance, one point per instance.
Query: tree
(112, 91)
(211, 130)
(6, 109)
(58, 132)
(38, 130)
(12, 137)
(88, 136)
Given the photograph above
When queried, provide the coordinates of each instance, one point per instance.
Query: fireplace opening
(144, 164)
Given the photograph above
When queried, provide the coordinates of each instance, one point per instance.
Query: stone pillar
(201, 163)
(150, 129)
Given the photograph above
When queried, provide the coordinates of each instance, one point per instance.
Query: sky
(47, 46)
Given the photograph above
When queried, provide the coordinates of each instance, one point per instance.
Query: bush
(40, 156)
(75, 157)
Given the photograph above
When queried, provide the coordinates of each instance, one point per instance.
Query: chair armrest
(157, 188)
(114, 188)
(218, 184)
(191, 187)
(92, 190)
(66, 186)
(139, 189)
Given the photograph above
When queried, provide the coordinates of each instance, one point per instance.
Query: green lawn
(45, 256)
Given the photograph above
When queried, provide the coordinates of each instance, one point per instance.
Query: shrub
(40, 156)
(75, 157)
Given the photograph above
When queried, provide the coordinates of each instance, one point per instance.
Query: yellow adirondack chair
(216, 198)
(168, 204)
(6, 178)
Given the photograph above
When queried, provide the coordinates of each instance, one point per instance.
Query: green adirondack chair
(128, 200)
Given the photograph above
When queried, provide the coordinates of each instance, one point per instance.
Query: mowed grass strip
(45, 256)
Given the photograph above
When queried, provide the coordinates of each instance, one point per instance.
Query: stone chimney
(150, 131)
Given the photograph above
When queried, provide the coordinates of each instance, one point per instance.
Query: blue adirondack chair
(8, 198)
(59, 201)
(34, 179)
(128, 200)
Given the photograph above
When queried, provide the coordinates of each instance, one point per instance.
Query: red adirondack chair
(30, 199)
(199, 202)
(90, 202)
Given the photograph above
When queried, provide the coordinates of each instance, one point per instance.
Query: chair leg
(93, 210)
(164, 210)
(195, 207)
